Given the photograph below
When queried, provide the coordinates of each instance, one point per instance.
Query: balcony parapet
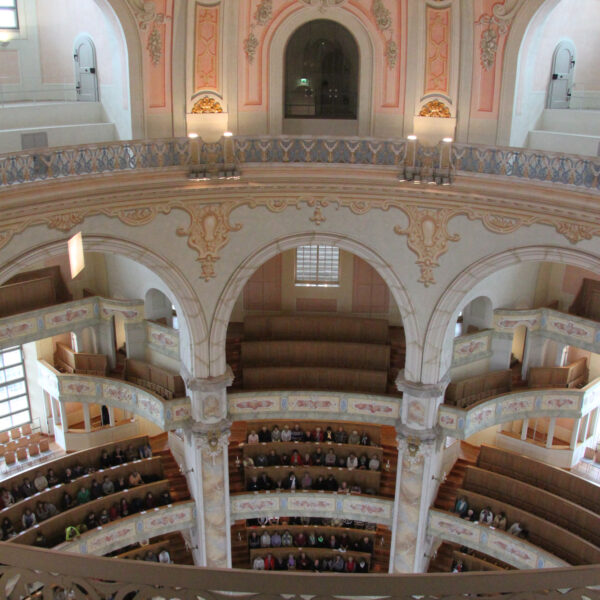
(394, 154)
(337, 406)
(91, 389)
(493, 542)
(312, 504)
(178, 516)
(522, 404)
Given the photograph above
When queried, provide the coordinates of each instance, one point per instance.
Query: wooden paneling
(370, 294)
(263, 289)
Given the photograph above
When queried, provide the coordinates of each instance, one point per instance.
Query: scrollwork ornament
(250, 46)
(323, 4)
(391, 53)
(263, 13)
(428, 237)
(381, 14)
(575, 232)
(137, 216)
(65, 222)
(494, 26)
(154, 45)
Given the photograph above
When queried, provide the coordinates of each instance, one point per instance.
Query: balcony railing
(113, 157)
(26, 569)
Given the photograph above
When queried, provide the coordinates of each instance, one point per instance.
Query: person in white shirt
(352, 461)
(259, 564)
(164, 557)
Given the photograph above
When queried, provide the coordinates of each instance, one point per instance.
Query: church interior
(303, 286)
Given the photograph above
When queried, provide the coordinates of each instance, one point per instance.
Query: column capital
(208, 384)
(417, 441)
(422, 390)
(209, 396)
(212, 437)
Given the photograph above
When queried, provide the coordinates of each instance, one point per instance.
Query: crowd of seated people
(97, 489)
(312, 538)
(297, 434)
(485, 516)
(317, 459)
(325, 522)
(294, 482)
(42, 481)
(302, 562)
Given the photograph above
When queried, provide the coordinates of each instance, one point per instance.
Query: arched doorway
(321, 72)
(561, 77)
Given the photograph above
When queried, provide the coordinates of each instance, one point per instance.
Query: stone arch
(238, 280)
(437, 353)
(133, 46)
(181, 291)
(276, 63)
(512, 59)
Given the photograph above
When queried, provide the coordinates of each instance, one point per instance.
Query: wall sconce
(199, 175)
(232, 173)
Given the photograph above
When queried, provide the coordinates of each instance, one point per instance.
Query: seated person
(470, 515)
(364, 439)
(52, 478)
(253, 540)
(355, 488)
(269, 562)
(264, 482)
(350, 565)
(105, 461)
(164, 498)
(28, 519)
(118, 457)
(319, 483)
(317, 435)
(343, 488)
(286, 434)
(95, 490)
(40, 482)
(134, 479)
(330, 458)
(131, 454)
(461, 506)
(516, 528)
(258, 564)
(40, 540)
(285, 459)
(83, 495)
(338, 565)
(307, 460)
(113, 512)
(265, 539)
(318, 457)
(457, 566)
(499, 521)
(69, 475)
(374, 463)
(149, 501)
(290, 564)
(145, 451)
(297, 434)
(41, 514)
(264, 435)
(276, 539)
(354, 437)
(331, 483)
(352, 461)
(306, 481)
(363, 462)
(486, 516)
(164, 557)
(340, 437)
(252, 484)
(68, 501)
(286, 538)
(296, 459)
(104, 518)
(150, 556)
(261, 460)
(90, 521)
(300, 539)
(291, 482)
(275, 434)
(108, 487)
(344, 542)
(253, 437)
(366, 545)
(304, 563)
(362, 566)
(8, 530)
(328, 435)
(27, 488)
(6, 497)
(273, 459)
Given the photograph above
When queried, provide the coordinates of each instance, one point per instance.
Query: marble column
(206, 449)
(420, 454)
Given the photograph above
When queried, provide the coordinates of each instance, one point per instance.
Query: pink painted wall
(574, 277)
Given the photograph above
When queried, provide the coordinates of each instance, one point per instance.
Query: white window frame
(5, 384)
(14, 9)
(321, 271)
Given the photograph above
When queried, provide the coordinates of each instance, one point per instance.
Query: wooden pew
(469, 391)
(140, 552)
(566, 514)
(555, 480)
(91, 456)
(571, 376)
(146, 467)
(543, 533)
(344, 450)
(54, 528)
(312, 553)
(163, 382)
(473, 563)
(81, 363)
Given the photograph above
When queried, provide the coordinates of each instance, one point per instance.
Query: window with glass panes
(9, 18)
(14, 401)
(317, 265)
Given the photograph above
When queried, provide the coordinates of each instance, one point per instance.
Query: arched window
(321, 72)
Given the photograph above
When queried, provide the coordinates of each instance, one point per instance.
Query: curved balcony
(45, 570)
(498, 544)
(208, 158)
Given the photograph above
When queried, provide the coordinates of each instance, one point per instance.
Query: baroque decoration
(435, 108)
(383, 19)
(207, 105)
(494, 26)
(149, 19)
(262, 16)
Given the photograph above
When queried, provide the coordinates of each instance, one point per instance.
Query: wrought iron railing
(25, 570)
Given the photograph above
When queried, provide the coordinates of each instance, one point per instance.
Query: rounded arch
(238, 280)
(183, 295)
(479, 313)
(276, 64)
(437, 353)
(529, 11)
(135, 60)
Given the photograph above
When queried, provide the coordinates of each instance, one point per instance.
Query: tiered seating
(173, 543)
(466, 392)
(80, 363)
(574, 375)
(310, 352)
(133, 482)
(21, 444)
(450, 557)
(163, 382)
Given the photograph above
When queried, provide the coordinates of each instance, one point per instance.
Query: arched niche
(166, 275)
(158, 307)
(478, 313)
(437, 354)
(239, 278)
(276, 66)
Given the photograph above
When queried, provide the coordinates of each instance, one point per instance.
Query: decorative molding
(206, 48)
(154, 45)
(435, 108)
(250, 46)
(384, 21)
(208, 232)
(428, 237)
(145, 13)
(264, 11)
(437, 67)
(494, 26)
(324, 4)
(207, 105)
